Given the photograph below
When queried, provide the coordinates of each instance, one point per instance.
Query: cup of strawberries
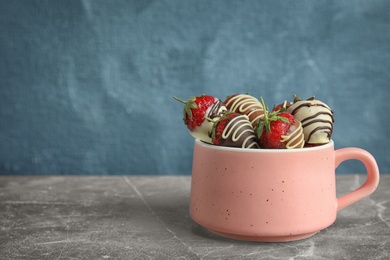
(264, 174)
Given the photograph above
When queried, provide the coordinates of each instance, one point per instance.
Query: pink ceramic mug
(271, 195)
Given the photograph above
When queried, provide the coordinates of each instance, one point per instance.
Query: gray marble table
(134, 217)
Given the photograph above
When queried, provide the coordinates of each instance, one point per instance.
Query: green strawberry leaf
(259, 129)
(282, 118)
(187, 111)
(189, 105)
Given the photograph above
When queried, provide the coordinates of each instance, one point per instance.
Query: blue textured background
(86, 86)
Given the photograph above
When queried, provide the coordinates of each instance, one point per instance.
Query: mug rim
(242, 150)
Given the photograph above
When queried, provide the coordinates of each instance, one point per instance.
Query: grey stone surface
(134, 217)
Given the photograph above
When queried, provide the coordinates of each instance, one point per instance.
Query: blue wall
(86, 86)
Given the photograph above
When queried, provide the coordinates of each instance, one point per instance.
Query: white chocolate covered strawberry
(195, 112)
(316, 118)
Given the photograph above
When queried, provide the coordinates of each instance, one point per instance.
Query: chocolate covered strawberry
(195, 112)
(279, 130)
(246, 105)
(233, 130)
(316, 118)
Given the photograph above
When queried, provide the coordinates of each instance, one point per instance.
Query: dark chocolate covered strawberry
(247, 105)
(233, 130)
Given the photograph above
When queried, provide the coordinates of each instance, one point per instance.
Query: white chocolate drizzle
(294, 139)
(240, 128)
(246, 105)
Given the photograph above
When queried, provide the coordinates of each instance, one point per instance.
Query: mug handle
(371, 182)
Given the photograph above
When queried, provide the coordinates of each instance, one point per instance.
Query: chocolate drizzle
(317, 115)
(217, 109)
(317, 129)
(246, 105)
(294, 139)
(239, 133)
(308, 104)
(316, 118)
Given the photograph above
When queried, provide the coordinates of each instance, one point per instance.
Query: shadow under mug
(272, 195)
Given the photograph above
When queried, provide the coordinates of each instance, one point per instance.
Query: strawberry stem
(265, 118)
(264, 108)
(180, 100)
(209, 119)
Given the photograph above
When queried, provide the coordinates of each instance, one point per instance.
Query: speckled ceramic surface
(271, 195)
